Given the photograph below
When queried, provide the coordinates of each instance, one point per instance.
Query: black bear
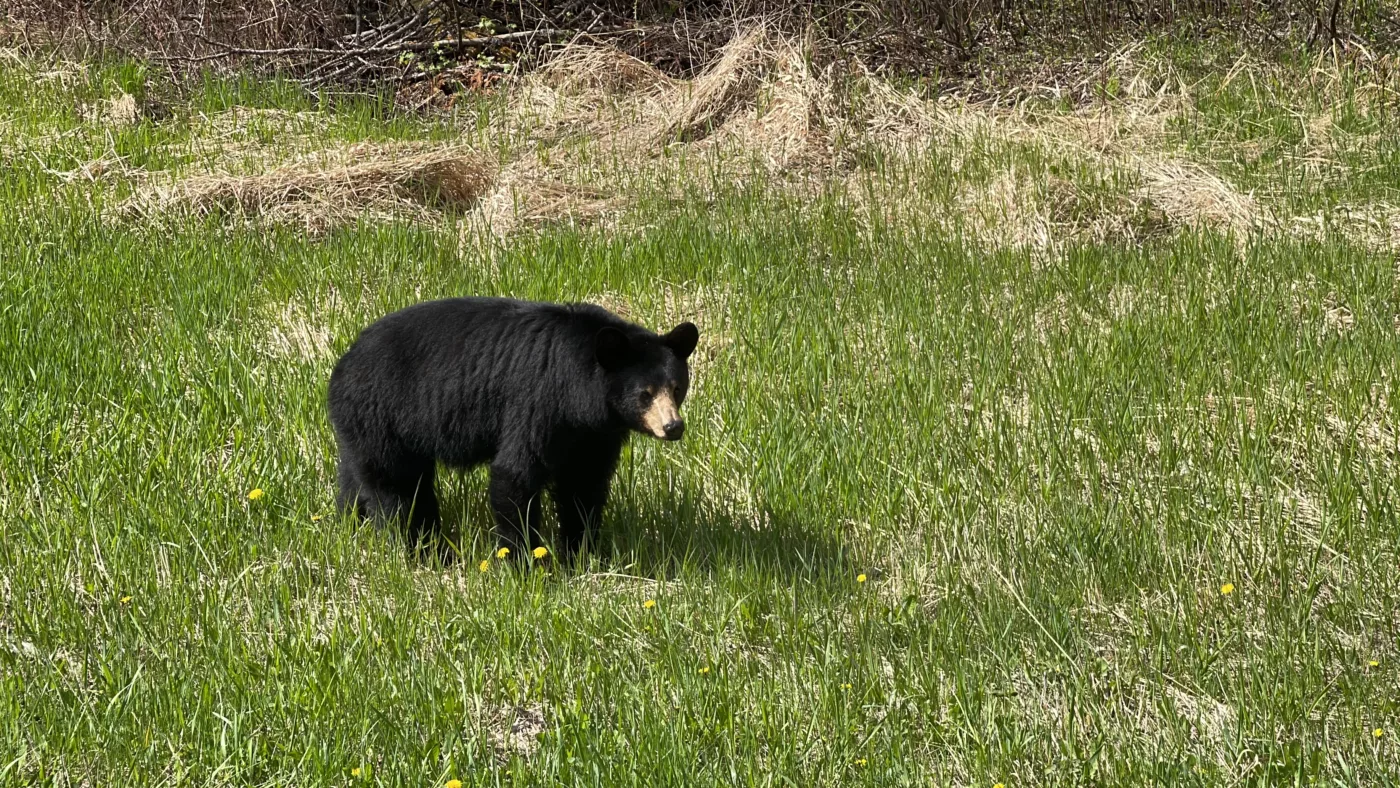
(546, 393)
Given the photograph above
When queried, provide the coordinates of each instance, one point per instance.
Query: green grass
(1047, 465)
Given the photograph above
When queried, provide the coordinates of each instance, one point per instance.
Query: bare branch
(407, 46)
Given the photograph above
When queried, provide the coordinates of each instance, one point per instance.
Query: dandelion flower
(315, 518)
(355, 772)
(999, 785)
(255, 494)
(1375, 663)
(484, 565)
(453, 784)
(861, 578)
(1227, 589)
(704, 670)
(649, 604)
(1378, 732)
(503, 552)
(540, 552)
(126, 600)
(860, 762)
(846, 687)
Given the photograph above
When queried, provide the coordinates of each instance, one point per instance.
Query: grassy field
(1034, 446)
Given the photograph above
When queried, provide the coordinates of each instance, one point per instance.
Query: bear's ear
(612, 348)
(681, 340)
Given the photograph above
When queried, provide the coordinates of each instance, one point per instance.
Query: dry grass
(590, 70)
(1193, 196)
(795, 118)
(516, 730)
(295, 333)
(333, 186)
(118, 111)
(525, 195)
(723, 89)
(579, 133)
(1375, 225)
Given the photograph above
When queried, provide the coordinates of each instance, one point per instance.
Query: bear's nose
(674, 430)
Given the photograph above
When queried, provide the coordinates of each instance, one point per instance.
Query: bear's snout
(673, 430)
(661, 419)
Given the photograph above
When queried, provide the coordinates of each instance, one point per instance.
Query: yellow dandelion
(315, 518)
(255, 494)
(126, 600)
(999, 785)
(355, 772)
(540, 552)
(861, 578)
(1378, 732)
(503, 552)
(846, 687)
(705, 670)
(1375, 663)
(453, 784)
(649, 604)
(1227, 589)
(860, 762)
(484, 565)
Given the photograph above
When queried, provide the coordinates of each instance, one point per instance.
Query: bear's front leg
(580, 493)
(580, 510)
(515, 503)
(580, 489)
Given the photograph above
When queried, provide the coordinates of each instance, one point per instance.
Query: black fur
(545, 393)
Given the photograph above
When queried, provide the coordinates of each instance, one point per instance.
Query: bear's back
(452, 372)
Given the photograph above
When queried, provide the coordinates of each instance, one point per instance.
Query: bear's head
(648, 377)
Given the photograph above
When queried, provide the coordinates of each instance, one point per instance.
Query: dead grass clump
(580, 69)
(726, 87)
(594, 122)
(334, 187)
(895, 118)
(1122, 129)
(1192, 196)
(1033, 209)
(118, 111)
(1211, 720)
(526, 196)
(795, 116)
(516, 730)
(591, 91)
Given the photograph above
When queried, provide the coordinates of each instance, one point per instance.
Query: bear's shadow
(660, 534)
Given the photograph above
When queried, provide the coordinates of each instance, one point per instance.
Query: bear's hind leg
(348, 484)
(406, 496)
(425, 518)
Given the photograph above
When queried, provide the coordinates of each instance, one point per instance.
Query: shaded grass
(1046, 463)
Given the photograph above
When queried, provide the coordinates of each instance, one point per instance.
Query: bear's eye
(646, 397)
